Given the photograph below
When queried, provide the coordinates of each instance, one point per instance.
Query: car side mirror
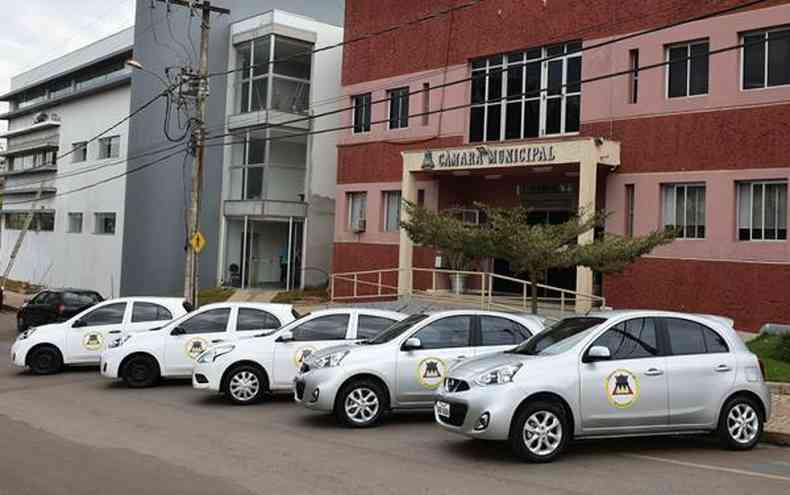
(597, 353)
(79, 324)
(285, 337)
(178, 331)
(411, 344)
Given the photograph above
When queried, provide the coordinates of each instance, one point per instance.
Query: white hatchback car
(402, 368)
(247, 370)
(82, 338)
(142, 359)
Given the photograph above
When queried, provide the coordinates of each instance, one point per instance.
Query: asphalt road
(76, 433)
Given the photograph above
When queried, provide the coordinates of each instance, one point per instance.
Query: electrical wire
(173, 37)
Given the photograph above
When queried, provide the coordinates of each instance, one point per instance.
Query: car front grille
(457, 414)
(453, 385)
(300, 390)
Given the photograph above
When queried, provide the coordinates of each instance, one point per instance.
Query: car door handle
(654, 372)
(722, 368)
(461, 358)
(114, 331)
(217, 341)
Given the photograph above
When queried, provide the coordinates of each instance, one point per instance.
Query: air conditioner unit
(359, 226)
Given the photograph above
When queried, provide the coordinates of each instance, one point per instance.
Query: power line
(527, 94)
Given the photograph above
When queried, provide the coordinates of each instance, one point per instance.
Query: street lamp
(135, 64)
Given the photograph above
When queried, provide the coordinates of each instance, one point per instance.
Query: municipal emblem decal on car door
(622, 388)
(195, 347)
(93, 341)
(431, 372)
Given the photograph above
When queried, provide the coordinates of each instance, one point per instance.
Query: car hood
(333, 349)
(477, 366)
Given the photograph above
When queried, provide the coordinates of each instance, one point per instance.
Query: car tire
(245, 385)
(140, 371)
(540, 432)
(45, 360)
(740, 424)
(360, 404)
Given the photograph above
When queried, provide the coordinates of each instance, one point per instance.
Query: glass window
(143, 311)
(255, 319)
(714, 343)
(632, 339)
(292, 58)
(452, 331)
(688, 69)
(762, 210)
(105, 223)
(362, 104)
(75, 223)
(536, 97)
(109, 147)
(633, 77)
(398, 108)
(684, 207)
(111, 314)
(211, 321)
(79, 152)
(39, 298)
(766, 58)
(392, 203)
(370, 326)
(81, 298)
(357, 208)
(290, 96)
(501, 331)
(685, 336)
(629, 209)
(332, 327)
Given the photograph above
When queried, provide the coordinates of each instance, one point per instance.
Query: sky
(36, 31)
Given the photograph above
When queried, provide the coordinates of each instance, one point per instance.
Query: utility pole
(191, 269)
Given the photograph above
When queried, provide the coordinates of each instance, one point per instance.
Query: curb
(776, 438)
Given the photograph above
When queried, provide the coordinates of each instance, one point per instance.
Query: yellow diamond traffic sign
(198, 242)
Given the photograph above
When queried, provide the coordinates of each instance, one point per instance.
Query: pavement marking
(744, 472)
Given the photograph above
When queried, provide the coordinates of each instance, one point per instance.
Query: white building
(279, 181)
(76, 238)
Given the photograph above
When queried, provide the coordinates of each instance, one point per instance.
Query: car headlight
(498, 376)
(214, 353)
(27, 333)
(329, 361)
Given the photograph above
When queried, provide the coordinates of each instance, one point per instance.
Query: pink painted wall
(374, 233)
(720, 214)
(608, 99)
(453, 123)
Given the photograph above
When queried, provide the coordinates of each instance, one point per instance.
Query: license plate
(443, 409)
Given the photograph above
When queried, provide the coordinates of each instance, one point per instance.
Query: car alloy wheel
(244, 386)
(743, 423)
(542, 433)
(362, 405)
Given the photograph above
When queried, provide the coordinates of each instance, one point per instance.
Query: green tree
(533, 249)
(461, 244)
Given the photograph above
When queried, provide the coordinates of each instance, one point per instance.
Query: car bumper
(19, 353)
(207, 377)
(110, 362)
(317, 389)
(468, 407)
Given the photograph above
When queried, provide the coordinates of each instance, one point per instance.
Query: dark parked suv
(54, 305)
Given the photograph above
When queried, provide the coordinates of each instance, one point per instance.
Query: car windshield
(559, 338)
(396, 329)
(80, 298)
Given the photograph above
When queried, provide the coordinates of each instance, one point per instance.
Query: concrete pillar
(588, 175)
(406, 247)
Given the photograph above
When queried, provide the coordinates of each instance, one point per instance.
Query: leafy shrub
(783, 351)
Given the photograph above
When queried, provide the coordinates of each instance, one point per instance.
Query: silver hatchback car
(613, 374)
(402, 367)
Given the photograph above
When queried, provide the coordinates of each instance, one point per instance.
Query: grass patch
(214, 295)
(767, 347)
(312, 295)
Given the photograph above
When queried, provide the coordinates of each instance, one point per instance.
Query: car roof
(612, 314)
(69, 289)
(244, 304)
(362, 311)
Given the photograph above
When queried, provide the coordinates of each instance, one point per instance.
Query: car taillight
(61, 308)
(762, 367)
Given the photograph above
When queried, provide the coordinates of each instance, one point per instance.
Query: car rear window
(80, 298)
